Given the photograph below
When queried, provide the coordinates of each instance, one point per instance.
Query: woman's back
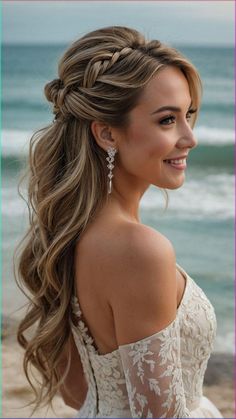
(97, 254)
(91, 253)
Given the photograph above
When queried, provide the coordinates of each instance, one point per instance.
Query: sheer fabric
(153, 375)
(159, 376)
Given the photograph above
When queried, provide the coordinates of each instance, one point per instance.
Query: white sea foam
(214, 136)
(225, 342)
(15, 142)
(209, 196)
(12, 204)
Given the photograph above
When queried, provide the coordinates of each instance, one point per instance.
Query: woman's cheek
(159, 148)
(167, 143)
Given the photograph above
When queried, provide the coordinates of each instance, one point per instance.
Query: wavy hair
(100, 76)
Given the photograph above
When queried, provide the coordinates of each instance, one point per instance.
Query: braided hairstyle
(100, 76)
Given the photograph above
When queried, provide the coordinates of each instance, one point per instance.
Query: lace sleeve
(152, 368)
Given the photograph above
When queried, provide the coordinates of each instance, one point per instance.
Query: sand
(218, 383)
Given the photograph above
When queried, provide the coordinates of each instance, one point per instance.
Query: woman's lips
(179, 164)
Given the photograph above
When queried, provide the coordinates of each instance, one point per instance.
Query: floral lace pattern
(158, 376)
(154, 376)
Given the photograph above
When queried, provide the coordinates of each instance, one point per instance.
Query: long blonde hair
(101, 76)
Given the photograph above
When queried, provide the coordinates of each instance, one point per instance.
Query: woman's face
(155, 145)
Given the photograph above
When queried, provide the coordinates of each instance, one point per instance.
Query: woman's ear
(103, 135)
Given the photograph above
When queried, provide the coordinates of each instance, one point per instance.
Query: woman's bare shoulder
(141, 235)
(143, 285)
(119, 243)
(138, 241)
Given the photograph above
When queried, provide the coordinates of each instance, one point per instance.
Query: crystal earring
(111, 153)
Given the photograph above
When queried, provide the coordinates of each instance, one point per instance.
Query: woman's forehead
(169, 87)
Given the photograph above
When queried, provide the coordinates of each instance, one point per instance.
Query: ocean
(200, 217)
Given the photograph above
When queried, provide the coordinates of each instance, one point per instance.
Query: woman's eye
(167, 120)
(170, 119)
(189, 114)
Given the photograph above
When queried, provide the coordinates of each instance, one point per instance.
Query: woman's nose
(187, 137)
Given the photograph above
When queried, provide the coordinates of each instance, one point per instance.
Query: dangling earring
(111, 153)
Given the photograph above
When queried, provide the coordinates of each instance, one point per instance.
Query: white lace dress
(160, 376)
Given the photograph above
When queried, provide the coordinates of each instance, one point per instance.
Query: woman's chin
(177, 186)
(173, 189)
(173, 184)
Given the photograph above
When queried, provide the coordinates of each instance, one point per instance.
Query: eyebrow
(169, 108)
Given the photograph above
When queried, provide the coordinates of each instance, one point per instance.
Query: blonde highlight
(100, 76)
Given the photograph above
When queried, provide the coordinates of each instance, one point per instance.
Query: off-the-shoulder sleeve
(152, 368)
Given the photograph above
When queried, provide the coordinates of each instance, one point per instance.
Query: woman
(122, 330)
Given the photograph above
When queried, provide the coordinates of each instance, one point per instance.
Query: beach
(218, 383)
(16, 392)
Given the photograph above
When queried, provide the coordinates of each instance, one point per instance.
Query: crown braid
(88, 83)
(57, 93)
(99, 64)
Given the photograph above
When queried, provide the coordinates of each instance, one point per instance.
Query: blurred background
(199, 220)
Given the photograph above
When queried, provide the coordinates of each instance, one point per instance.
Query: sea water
(199, 220)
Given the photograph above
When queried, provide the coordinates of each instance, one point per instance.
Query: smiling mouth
(179, 164)
(176, 161)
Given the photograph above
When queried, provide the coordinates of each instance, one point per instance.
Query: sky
(60, 22)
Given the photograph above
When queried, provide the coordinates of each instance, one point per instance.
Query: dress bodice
(165, 369)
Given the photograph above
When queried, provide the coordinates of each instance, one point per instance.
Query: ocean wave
(206, 156)
(208, 197)
(225, 342)
(214, 136)
(32, 105)
(16, 142)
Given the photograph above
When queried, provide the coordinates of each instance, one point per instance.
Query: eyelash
(171, 117)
